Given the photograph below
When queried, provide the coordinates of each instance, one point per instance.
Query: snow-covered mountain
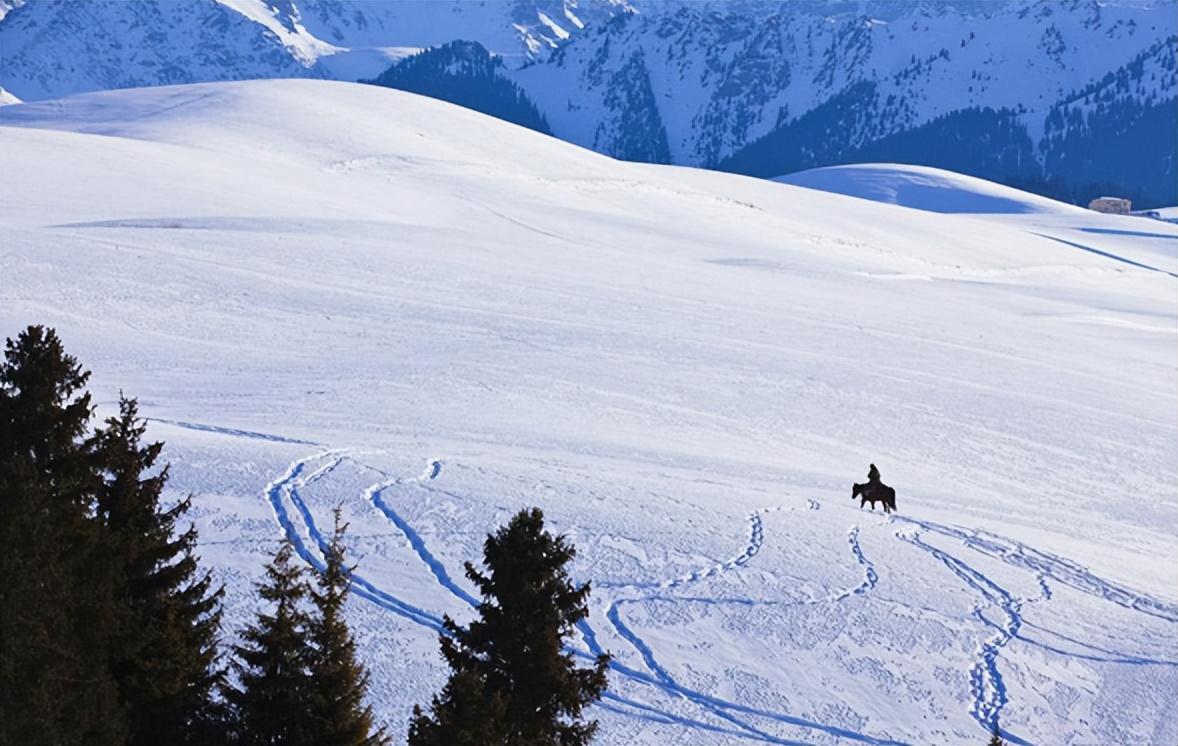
(1070, 98)
(335, 294)
(51, 48)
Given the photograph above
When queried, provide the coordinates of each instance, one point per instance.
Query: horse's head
(855, 490)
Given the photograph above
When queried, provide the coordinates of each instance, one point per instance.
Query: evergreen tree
(512, 680)
(270, 707)
(465, 714)
(337, 709)
(164, 657)
(56, 589)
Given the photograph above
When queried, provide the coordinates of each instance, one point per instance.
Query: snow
(302, 45)
(330, 294)
(924, 188)
(1168, 214)
(1134, 240)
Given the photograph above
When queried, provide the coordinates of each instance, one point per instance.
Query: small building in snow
(1111, 205)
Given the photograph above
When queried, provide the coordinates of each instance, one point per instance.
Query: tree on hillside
(270, 702)
(339, 716)
(56, 589)
(164, 656)
(466, 713)
(512, 681)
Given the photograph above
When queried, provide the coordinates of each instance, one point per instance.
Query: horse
(873, 493)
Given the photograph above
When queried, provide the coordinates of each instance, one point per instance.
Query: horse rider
(873, 476)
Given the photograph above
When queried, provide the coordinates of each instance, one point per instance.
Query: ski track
(232, 432)
(375, 495)
(1046, 566)
(718, 707)
(987, 687)
(669, 682)
(286, 486)
(1106, 656)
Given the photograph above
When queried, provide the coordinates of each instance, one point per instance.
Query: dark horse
(873, 493)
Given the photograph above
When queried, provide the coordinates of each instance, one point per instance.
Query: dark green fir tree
(56, 587)
(339, 715)
(464, 714)
(270, 702)
(512, 680)
(165, 655)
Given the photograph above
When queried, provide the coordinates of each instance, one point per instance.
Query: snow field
(327, 294)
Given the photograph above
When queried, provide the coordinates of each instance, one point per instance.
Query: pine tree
(337, 709)
(512, 679)
(464, 714)
(164, 656)
(56, 589)
(270, 704)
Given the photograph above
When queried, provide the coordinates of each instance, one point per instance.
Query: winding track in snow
(755, 541)
(754, 545)
(375, 495)
(1047, 566)
(986, 685)
(286, 486)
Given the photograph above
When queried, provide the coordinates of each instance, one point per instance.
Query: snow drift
(924, 188)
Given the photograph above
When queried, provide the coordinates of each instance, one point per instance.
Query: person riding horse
(874, 491)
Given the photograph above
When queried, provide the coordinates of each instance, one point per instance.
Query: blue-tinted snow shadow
(232, 432)
(956, 202)
(1105, 254)
(1138, 234)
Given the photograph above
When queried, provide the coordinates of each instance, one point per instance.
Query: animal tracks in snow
(755, 540)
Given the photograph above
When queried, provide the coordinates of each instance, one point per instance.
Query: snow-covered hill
(1068, 98)
(924, 188)
(327, 293)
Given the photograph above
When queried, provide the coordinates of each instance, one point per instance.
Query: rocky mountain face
(1066, 97)
(53, 48)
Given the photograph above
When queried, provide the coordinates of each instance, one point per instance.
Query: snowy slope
(1134, 240)
(924, 188)
(327, 293)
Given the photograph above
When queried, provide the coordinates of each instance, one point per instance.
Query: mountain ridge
(1070, 99)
